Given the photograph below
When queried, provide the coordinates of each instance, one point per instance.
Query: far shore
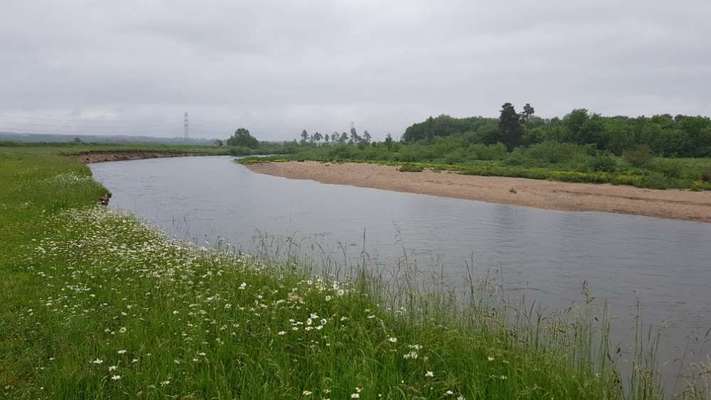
(105, 156)
(675, 204)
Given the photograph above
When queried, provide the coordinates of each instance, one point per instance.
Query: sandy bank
(677, 204)
(96, 157)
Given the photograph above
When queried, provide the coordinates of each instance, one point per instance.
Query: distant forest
(665, 135)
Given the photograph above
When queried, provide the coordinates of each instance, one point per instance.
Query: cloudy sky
(277, 67)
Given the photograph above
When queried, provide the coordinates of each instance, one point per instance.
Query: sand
(676, 204)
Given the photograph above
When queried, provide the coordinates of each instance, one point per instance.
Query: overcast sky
(277, 67)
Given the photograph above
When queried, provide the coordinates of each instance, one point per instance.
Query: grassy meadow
(96, 305)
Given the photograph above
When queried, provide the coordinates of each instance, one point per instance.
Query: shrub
(410, 168)
(556, 153)
(639, 156)
(516, 158)
(603, 163)
(706, 175)
(656, 181)
(670, 168)
(487, 152)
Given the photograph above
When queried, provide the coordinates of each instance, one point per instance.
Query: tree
(389, 141)
(343, 138)
(366, 137)
(327, 138)
(304, 136)
(219, 143)
(355, 138)
(243, 138)
(317, 137)
(510, 126)
(527, 112)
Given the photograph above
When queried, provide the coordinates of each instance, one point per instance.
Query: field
(97, 305)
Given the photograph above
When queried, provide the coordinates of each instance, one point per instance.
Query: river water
(662, 265)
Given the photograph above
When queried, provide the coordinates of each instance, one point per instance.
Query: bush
(670, 168)
(639, 156)
(706, 175)
(487, 152)
(551, 153)
(603, 163)
(410, 168)
(656, 181)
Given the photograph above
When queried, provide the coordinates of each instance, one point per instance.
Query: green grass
(96, 305)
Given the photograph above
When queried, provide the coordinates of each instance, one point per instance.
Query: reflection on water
(663, 264)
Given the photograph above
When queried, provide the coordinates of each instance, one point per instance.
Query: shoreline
(554, 195)
(107, 156)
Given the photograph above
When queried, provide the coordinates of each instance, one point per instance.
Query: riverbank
(97, 304)
(106, 156)
(676, 204)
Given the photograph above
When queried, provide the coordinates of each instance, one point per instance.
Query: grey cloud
(277, 67)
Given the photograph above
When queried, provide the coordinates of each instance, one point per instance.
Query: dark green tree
(243, 138)
(527, 112)
(510, 127)
(389, 142)
(366, 137)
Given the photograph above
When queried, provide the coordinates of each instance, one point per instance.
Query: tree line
(342, 138)
(664, 135)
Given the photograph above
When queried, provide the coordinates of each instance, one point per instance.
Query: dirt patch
(676, 204)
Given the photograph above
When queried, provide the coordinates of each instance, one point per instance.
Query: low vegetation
(96, 305)
(660, 152)
(548, 160)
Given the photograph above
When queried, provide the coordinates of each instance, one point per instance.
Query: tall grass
(97, 305)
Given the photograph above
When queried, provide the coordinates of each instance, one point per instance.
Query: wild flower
(121, 351)
(113, 368)
(392, 339)
(115, 377)
(307, 393)
(429, 374)
(98, 361)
